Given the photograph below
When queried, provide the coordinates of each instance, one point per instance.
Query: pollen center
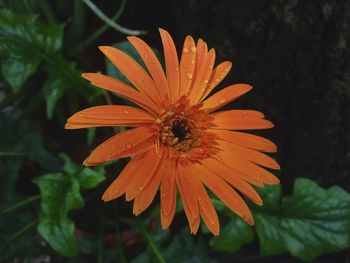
(177, 132)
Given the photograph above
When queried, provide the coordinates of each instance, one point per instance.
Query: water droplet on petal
(189, 75)
(185, 50)
(128, 145)
(227, 69)
(192, 61)
(140, 187)
(205, 81)
(193, 49)
(217, 80)
(222, 101)
(125, 111)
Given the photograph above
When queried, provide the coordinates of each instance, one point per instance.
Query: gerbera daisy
(178, 141)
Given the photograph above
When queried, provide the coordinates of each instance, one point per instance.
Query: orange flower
(177, 140)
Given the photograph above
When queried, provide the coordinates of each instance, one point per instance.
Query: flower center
(177, 132)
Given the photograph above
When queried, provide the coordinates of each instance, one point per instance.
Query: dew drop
(125, 111)
(193, 49)
(146, 56)
(189, 75)
(226, 69)
(211, 67)
(192, 61)
(128, 145)
(217, 80)
(185, 50)
(177, 69)
(140, 187)
(222, 101)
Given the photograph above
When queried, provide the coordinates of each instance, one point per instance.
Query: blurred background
(294, 53)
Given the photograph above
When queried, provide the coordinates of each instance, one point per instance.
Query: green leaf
(89, 178)
(53, 91)
(69, 167)
(59, 194)
(24, 44)
(311, 222)
(233, 236)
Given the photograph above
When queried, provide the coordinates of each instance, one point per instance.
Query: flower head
(178, 141)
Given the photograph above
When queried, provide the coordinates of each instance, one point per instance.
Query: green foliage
(25, 43)
(311, 222)
(60, 193)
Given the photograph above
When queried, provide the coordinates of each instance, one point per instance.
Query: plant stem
(22, 230)
(12, 154)
(100, 239)
(121, 254)
(110, 22)
(91, 39)
(21, 204)
(150, 242)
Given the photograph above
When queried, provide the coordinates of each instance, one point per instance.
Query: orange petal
(148, 194)
(128, 143)
(109, 115)
(185, 183)
(187, 65)
(246, 139)
(116, 86)
(248, 170)
(249, 154)
(206, 207)
(136, 209)
(133, 71)
(226, 193)
(217, 75)
(144, 175)
(168, 194)
(232, 177)
(171, 64)
(153, 65)
(240, 120)
(119, 185)
(202, 50)
(202, 76)
(225, 96)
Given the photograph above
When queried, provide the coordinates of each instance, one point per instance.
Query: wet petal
(217, 75)
(128, 143)
(226, 193)
(109, 115)
(120, 88)
(233, 178)
(240, 120)
(225, 96)
(249, 154)
(153, 65)
(187, 65)
(133, 71)
(168, 194)
(144, 175)
(246, 139)
(248, 170)
(119, 185)
(171, 64)
(202, 76)
(148, 194)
